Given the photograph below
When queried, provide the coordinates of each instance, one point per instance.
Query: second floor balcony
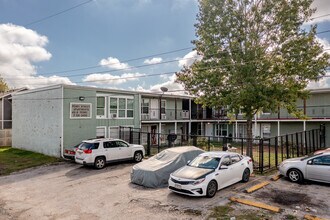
(164, 114)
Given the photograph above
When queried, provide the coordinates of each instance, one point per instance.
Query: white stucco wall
(37, 119)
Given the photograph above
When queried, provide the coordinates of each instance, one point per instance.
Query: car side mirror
(188, 162)
(223, 167)
(310, 162)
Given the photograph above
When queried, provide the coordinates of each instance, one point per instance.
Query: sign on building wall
(80, 110)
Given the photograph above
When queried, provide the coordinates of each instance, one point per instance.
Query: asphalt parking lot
(70, 191)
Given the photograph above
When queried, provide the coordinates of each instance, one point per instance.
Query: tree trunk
(249, 136)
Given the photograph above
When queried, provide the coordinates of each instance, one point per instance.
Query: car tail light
(72, 152)
(249, 161)
(88, 151)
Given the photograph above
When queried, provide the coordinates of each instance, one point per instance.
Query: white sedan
(210, 172)
(315, 167)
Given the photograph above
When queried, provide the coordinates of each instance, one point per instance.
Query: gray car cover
(155, 171)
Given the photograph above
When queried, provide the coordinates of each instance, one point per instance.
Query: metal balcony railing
(166, 114)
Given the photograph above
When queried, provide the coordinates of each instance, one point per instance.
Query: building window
(100, 108)
(145, 106)
(221, 130)
(199, 129)
(100, 132)
(113, 107)
(130, 108)
(121, 107)
(163, 106)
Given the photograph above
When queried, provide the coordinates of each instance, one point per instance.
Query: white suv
(98, 152)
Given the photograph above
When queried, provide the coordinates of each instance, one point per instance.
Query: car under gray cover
(155, 171)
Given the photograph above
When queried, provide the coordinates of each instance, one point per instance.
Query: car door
(223, 175)
(237, 168)
(111, 150)
(318, 168)
(124, 150)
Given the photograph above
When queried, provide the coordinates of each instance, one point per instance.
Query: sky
(118, 44)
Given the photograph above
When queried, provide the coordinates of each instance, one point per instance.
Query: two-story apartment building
(180, 115)
(46, 120)
(49, 119)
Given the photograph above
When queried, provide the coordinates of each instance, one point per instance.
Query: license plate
(178, 186)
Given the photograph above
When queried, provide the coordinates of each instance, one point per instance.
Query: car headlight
(199, 181)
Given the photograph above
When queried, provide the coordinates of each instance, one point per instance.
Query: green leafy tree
(3, 85)
(256, 56)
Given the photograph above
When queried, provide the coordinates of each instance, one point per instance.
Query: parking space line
(312, 217)
(256, 204)
(256, 187)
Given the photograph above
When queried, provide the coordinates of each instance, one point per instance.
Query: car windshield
(205, 162)
(88, 146)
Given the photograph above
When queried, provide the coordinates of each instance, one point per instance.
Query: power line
(157, 74)
(133, 59)
(129, 60)
(128, 68)
(321, 16)
(323, 32)
(117, 70)
(57, 13)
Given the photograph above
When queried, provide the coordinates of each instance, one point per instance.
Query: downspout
(62, 125)
(140, 111)
(3, 114)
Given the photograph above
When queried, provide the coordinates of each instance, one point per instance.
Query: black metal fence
(267, 153)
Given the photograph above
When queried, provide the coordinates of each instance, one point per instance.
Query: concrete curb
(276, 177)
(256, 204)
(256, 187)
(312, 217)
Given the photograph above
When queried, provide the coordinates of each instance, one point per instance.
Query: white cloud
(154, 60)
(324, 42)
(112, 79)
(139, 88)
(172, 86)
(20, 49)
(189, 59)
(322, 8)
(113, 63)
(324, 82)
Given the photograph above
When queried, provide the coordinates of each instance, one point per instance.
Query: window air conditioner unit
(113, 115)
(163, 117)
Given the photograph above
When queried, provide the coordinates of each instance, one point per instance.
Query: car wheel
(138, 156)
(295, 176)
(99, 163)
(246, 175)
(211, 189)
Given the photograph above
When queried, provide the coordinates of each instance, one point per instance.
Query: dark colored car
(70, 152)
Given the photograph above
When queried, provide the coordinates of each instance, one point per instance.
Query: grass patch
(221, 212)
(226, 212)
(12, 160)
(290, 217)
